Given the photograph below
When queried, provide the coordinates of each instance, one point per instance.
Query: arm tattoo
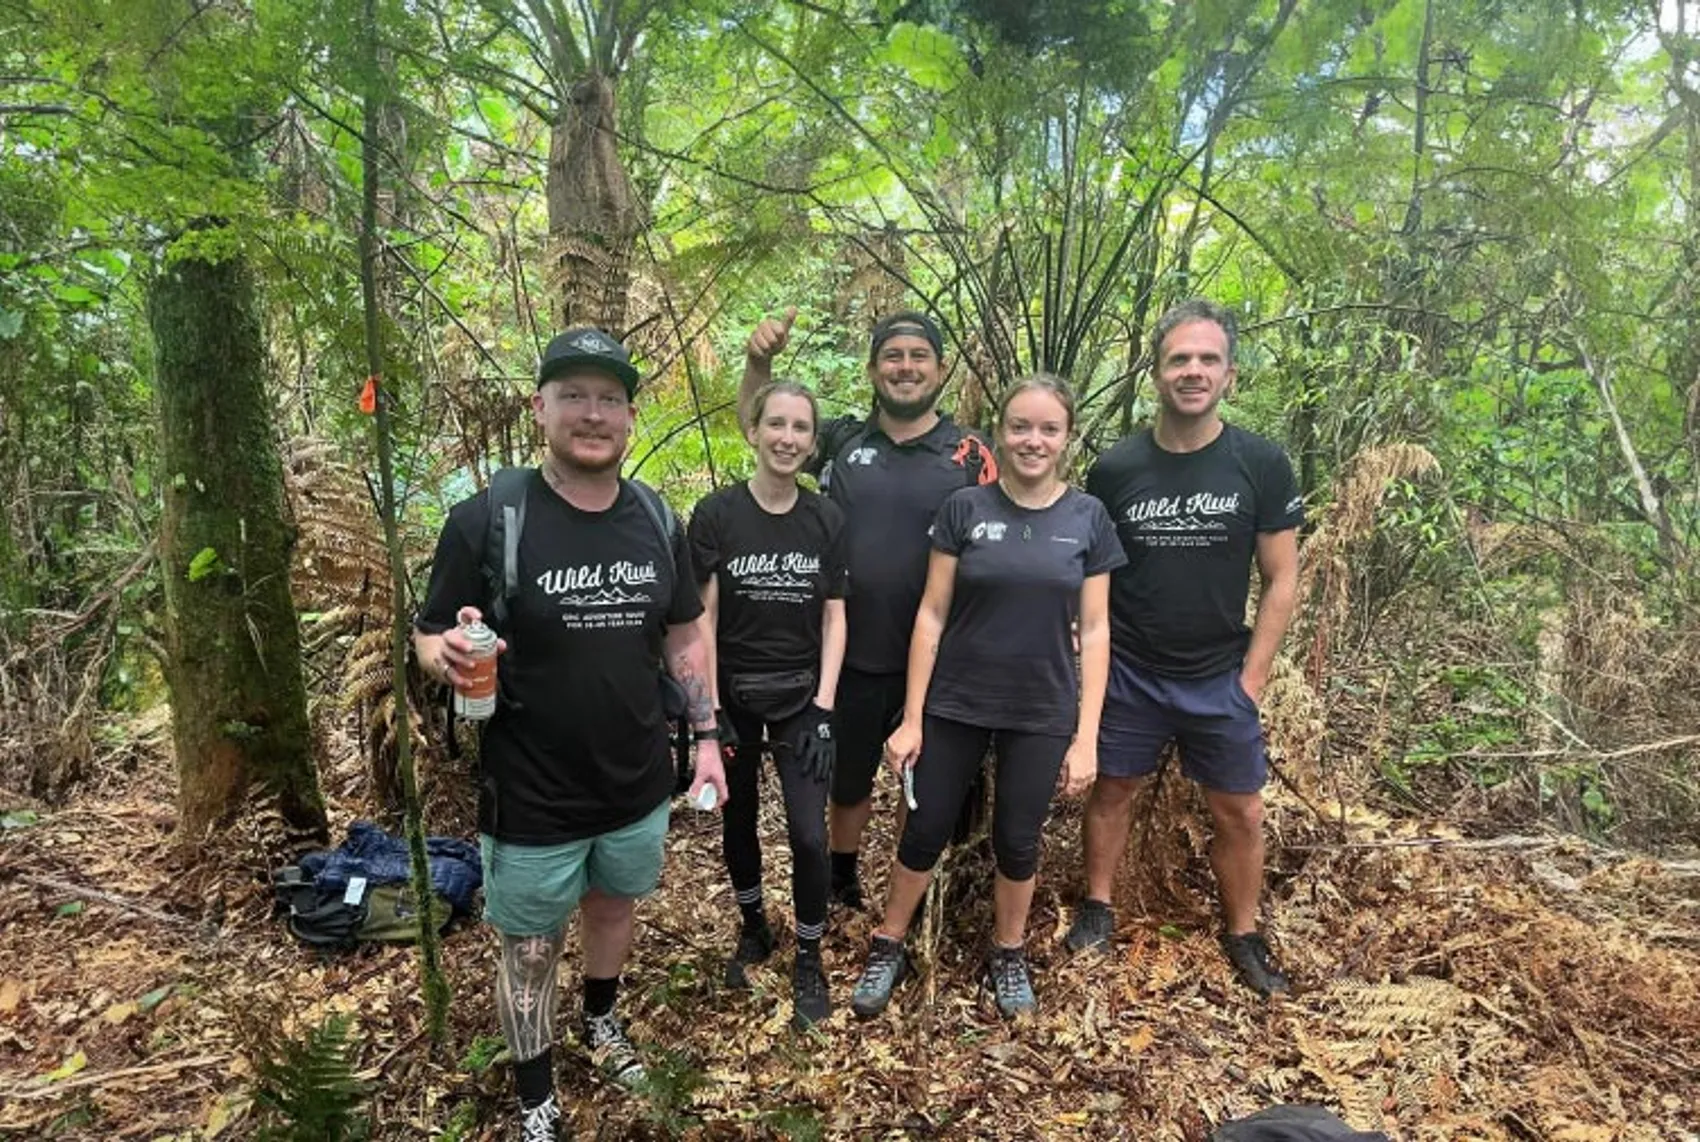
(699, 708)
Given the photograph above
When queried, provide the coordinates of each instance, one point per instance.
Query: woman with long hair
(769, 560)
(1016, 568)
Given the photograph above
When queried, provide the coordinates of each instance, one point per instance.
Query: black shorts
(866, 709)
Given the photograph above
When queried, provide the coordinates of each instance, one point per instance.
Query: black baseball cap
(587, 348)
(905, 323)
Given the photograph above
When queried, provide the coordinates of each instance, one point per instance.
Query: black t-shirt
(1006, 660)
(889, 493)
(1189, 522)
(578, 745)
(774, 573)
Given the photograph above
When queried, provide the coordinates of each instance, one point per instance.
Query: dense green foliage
(1467, 226)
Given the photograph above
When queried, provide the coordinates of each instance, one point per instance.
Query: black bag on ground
(1293, 1124)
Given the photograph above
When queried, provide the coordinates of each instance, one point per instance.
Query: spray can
(477, 700)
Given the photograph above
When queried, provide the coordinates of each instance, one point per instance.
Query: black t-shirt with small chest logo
(578, 745)
(773, 573)
(889, 493)
(1189, 522)
(1006, 659)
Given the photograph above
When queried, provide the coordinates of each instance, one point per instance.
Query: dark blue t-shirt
(1006, 660)
(1189, 522)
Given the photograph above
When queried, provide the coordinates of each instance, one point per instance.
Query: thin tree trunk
(430, 955)
(233, 651)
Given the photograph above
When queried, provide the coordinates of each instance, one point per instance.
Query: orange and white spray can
(476, 701)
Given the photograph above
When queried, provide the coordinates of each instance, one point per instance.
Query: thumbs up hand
(770, 336)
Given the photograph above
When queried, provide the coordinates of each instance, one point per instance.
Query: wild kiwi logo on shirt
(599, 584)
(1182, 521)
(774, 569)
(989, 530)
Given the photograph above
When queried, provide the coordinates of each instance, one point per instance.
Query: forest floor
(1529, 987)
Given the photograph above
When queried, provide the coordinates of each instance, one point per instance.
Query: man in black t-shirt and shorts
(888, 473)
(1195, 501)
(576, 773)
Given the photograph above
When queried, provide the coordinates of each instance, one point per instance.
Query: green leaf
(76, 294)
(18, 819)
(155, 997)
(11, 324)
(204, 563)
(68, 1068)
(1170, 932)
(69, 908)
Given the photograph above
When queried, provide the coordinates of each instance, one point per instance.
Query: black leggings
(951, 753)
(805, 818)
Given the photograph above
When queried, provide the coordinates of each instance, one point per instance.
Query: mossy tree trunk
(233, 669)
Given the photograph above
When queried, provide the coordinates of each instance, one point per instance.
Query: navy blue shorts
(1213, 720)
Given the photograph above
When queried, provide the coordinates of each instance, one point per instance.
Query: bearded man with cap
(576, 771)
(888, 472)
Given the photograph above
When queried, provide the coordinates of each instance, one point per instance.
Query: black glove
(816, 750)
(728, 737)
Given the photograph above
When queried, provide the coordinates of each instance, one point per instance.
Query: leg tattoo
(525, 992)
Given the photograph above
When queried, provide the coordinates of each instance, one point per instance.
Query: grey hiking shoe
(539, 1124)
(810, 1001)
(1255, 964)
(1093, 926)
(612, 1051)
(1006, 976)
(755, 944)
(888, 965)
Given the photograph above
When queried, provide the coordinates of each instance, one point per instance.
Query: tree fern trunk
(233, 669)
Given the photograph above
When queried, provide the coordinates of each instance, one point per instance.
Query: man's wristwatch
(712, 734)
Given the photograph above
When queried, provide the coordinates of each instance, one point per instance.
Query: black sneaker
(612, 1052)
(847, 894)
(1252, 960)
(1011, 986)
(539, 1123)
(888, 965)
(810, 1001)
(755, 944)
(1093, 925)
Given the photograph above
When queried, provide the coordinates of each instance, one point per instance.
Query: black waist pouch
(773, 696)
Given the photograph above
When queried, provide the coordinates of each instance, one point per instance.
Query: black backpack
(1293, 1124)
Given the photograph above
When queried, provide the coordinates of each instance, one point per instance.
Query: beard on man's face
(909, 409)
(576, 461)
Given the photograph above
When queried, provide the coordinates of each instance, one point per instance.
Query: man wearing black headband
(888, 472)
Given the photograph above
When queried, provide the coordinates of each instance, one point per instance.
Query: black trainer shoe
(888, 965)
(846, 894)
(1093, 925)
(1006, 975)
(1256, 966)
(539, 1123)
(755, 944)
(810, 1001)
(612, 1052)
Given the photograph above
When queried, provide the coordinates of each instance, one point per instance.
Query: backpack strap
(977, 461)
(501, 539)
(660, 514)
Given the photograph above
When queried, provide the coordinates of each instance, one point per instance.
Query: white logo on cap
(592, 342)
